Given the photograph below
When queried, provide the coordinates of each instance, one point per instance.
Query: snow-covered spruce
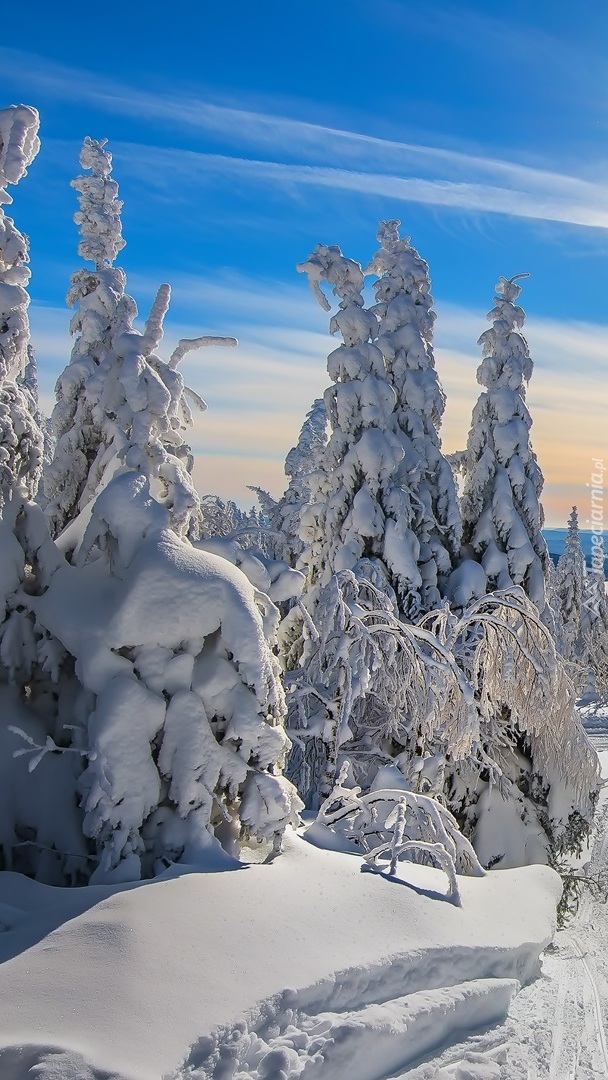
(117, 400)
(594, 618)
(301, 463)
(428, 501)
(565, 594)
(362, 504)
(368, 495)
(19, 145)
(103, 310)
(20, 436)
(353, 521)
(501, 512)
(31, 659)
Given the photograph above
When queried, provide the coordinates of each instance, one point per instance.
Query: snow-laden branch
(153, 332)
(405, 823)
(186, 345)
(19, 144)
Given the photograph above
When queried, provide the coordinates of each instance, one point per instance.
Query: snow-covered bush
(393, 822)
(501, 512)
(183, 744)
(528, 748)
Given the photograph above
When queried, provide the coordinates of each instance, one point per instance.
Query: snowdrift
(262, 971)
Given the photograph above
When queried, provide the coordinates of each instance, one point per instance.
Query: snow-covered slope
(261, 971)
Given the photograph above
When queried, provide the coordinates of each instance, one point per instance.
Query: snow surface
(261, 970)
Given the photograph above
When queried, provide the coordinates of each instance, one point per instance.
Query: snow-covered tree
(502, 482)
(594, 618)
(373, 512)
(361, 505)
(183, 745)
(567, 592)
(118, 402)
(302, 461)
(405, 335)
(20, 436)
(103, 311)
(31, 658)
(19, 145)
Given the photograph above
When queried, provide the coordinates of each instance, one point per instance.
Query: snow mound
(314, 964)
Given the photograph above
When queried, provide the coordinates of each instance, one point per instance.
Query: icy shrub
(391, 823)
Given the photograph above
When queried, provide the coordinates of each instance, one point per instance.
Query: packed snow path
(557, 1027)
(575, 969)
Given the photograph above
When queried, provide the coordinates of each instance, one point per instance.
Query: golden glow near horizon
(259, 393)
(566, 397)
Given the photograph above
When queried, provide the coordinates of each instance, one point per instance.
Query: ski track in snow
(557, 1026)
(445, 1029)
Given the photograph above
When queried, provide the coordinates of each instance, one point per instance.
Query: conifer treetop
(100, 207)
(19, 144)
(405, 339)
(501, 510)
(503, 342)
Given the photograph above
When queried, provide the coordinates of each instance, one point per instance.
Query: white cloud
(328, 157)
(563, 199)
(259, 393)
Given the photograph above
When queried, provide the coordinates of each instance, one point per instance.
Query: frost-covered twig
(38, 750)
(382, 813)
(437, 853)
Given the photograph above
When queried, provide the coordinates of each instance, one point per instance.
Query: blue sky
(243, 134)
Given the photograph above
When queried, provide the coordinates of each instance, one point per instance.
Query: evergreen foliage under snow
(429, 503)
(501, 511)
(143, 707)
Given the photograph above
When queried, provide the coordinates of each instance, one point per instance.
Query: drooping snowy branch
(394, 822)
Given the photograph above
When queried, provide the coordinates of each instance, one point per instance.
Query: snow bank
(259, 972)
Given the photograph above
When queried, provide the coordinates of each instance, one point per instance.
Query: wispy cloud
(521, 43)
(293, 154)
(579, 203)
(259, 393)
